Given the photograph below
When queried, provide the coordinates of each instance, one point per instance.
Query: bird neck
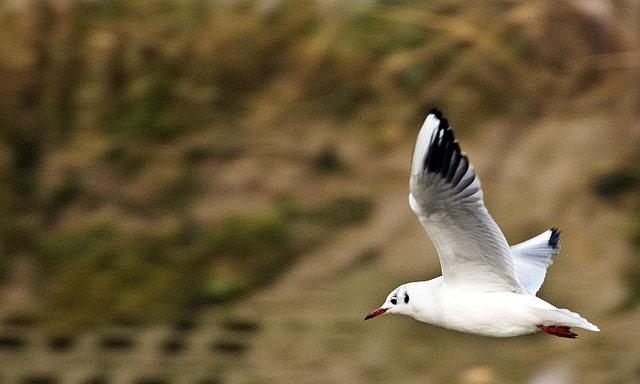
(425, 297)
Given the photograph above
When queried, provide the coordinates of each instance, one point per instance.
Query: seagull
(486, 287)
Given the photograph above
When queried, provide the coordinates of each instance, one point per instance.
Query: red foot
(558, 330)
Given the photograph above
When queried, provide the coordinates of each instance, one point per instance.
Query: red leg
(558, 330)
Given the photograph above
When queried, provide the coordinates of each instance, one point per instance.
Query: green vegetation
(612, 185)
(328, 160)
(249, 251)
(340, 211)
(247, 235)
(621, 187)
(101, 274)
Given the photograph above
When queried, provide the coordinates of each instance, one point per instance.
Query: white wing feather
(447, 198)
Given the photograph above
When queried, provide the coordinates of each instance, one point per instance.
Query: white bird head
(398, 301)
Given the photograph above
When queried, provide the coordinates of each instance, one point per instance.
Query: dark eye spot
(394, 301)
(406, 298)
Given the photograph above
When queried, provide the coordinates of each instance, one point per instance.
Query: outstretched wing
(447, 198)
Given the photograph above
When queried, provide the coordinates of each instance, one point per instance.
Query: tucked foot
(558, 330)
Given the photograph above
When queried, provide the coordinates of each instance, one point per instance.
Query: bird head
(398, 301)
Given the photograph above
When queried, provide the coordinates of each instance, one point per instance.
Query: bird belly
(496, 314)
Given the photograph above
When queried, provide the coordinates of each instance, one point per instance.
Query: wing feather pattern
(447, 198)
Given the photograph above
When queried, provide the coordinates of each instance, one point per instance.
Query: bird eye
(406, 298)
(394, 301)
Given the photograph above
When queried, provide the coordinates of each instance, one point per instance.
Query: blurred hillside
(163, 158)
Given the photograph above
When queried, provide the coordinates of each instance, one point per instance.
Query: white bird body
(497, 314)
(486, 287)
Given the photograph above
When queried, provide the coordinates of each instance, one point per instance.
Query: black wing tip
(437, 113)
(444, 123)
(444, 155)
(555, 236)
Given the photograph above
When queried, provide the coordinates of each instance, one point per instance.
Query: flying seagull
(486, 287)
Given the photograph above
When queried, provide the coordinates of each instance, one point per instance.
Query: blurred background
(205, 191)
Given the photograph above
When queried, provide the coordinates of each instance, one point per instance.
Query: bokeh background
(206, 191)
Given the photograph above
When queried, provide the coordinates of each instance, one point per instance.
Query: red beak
(375, 313)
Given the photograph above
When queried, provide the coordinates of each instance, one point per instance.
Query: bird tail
(564, 317)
